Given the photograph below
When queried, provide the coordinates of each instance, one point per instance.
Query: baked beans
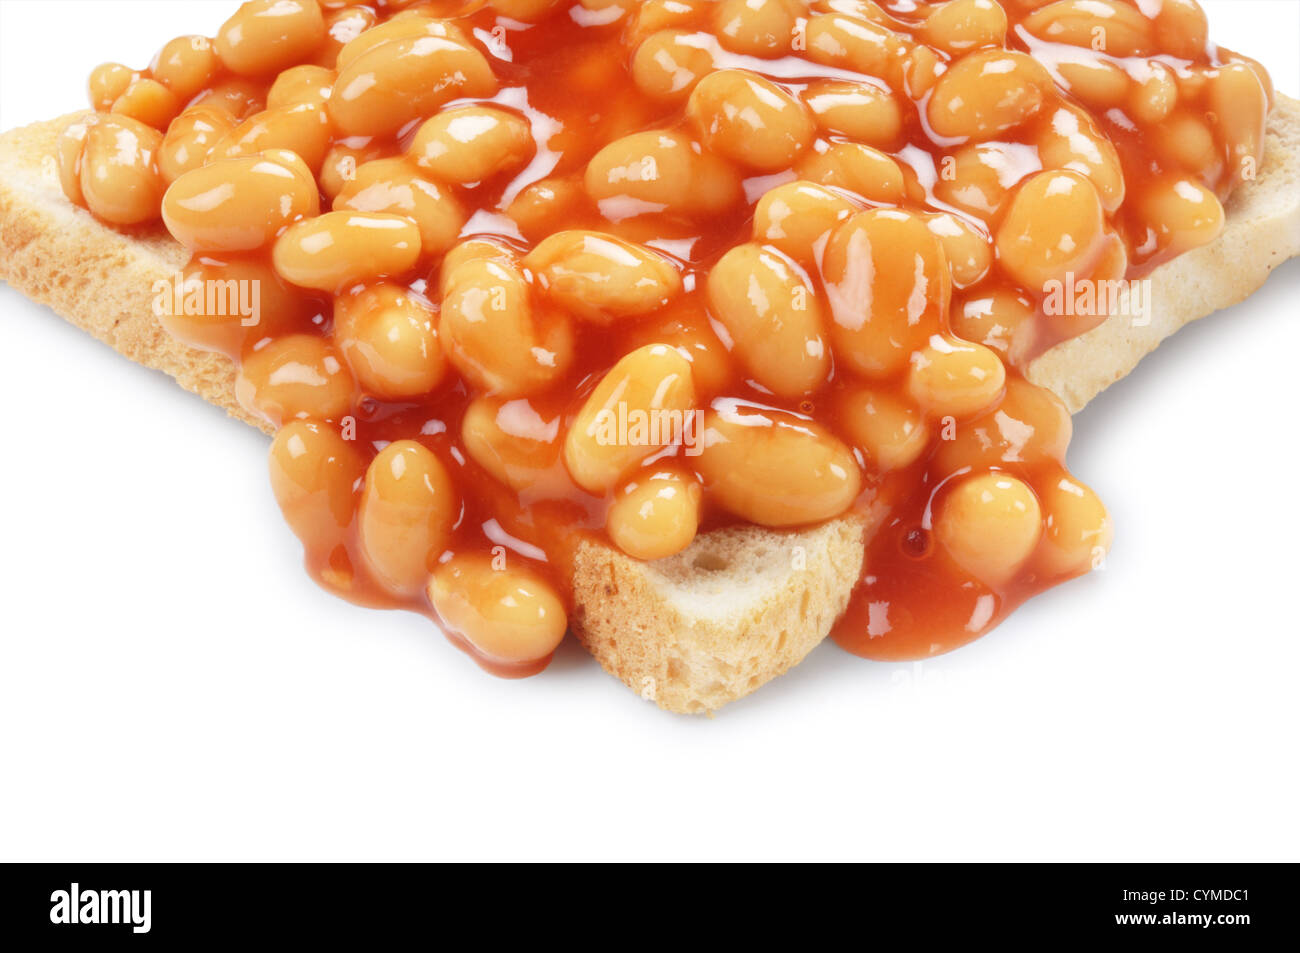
(798, 217)
(990, 525)
(494, 333)
(266, 36)
(600, 277)
(986, 93)
(650, 385)
(633, 269)
(119, 179)
(389, 336)
(511, 616)
(656, 514)
(472, 143)
(408, 505)
(749, 119)
(186, 65)
(775, 468)
(295, 377)
(661, 171)
(238, 204)
(403, 79)
(338, 249)
(888, 285)
(773, 316)
(395, 187)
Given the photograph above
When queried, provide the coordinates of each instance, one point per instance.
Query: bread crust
(738, 607)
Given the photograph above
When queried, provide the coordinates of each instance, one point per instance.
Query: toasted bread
(741, 605)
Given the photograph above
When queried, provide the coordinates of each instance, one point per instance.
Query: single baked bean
(1078, 530)
(341, 28)
(887, 285)
(71, 149)
(686, 326)
(1071, 140)
(858, 45)
(978, 178)
(1185, 140)
(186, 65)
(987, 93)
(190, 140)
(653, 16)
(492, 332)
(1155, 95)
(601, 278)
(230, 303)
(668, 64)
(950, 377)
(861, 111)
(922, 68)
(548, 205)
(891, 432)
(965, 25)
(853, 166)
(342, 162)
(266, 36)
(295, 377)
(473, 249)
(1181, 29)
(238, 204)
(394, 186)
(238, 96)
(656, 514)
(472, 143)
(1181, 212)
(303, 129)
(1001, 319)
(389, 338)
(1240, 102)
(1104, 26)
(774, 318)
(1053, 227)
(120, 181)
(149, 101)
(307, 84)
(756, 27)
(749, 119)
(651, 386)
(509, 616)
(514, 441)
(1098, 84)
(408, 505)
(404, 79)
(798, 217)
(1028, 426)
(968, 249)
(338, 249)
(404, 26)
(660, 171)
(314, 472)
(775, 468)
(107, 82)
(989, 524)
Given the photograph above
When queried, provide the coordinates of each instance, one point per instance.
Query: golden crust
(738, 607)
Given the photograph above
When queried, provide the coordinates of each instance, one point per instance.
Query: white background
(173, 687)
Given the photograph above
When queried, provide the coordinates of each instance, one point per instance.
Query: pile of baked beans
(821, 231)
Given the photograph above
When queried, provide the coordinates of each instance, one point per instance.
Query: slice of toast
(738, 607)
